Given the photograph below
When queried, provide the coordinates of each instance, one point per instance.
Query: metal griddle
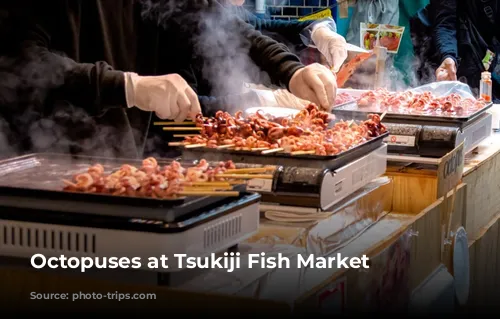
(285, 159)
(37, 178)
(351, 110)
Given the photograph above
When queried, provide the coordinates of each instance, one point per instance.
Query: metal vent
(223, 230)
(47, 239)
(478, 134)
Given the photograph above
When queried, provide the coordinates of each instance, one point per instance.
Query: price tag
(400, 140)
(450, 170)
(260, 185)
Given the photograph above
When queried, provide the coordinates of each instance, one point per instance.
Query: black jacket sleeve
(271, 56)
(92, 86)
(445, 23)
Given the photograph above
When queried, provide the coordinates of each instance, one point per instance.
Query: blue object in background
(343, 23)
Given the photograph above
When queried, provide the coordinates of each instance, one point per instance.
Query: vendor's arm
(290, 30)
(92, 86)
(445, 40)
(314, 83)
(444, 16)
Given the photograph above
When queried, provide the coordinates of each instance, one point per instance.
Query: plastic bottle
(486, 87)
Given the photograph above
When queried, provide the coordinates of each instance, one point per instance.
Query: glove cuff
(130, 79)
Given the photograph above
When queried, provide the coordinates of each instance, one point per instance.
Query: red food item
(306, 131)
(391, 43)
(348, 69)
(344, 98)
(149, 180)
(425, 103)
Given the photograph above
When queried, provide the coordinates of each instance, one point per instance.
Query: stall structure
(411, 224)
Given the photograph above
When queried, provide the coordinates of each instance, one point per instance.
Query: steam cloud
(30, 120)
(26, 123)
(222, 52)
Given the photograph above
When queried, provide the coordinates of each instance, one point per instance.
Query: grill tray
(284, 159)
(352, 110)
(37, 178)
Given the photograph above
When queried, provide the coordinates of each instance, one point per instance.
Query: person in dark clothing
(126, 36)
(466, 33)
(60, 90)
(294, 34)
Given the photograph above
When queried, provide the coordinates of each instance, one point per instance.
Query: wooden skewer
(382, 116)
(274, 150)
(186, 135)
(215, 184)
(351, 122)
(245, 176)
(207, 189)
(174, 123)
(303, 153)
(249, 170)
(222, 147)
(176, 144)
(237, 182)
(68, 183)
(195, 145)
(225, 194)
(182, 128)
(259, 149)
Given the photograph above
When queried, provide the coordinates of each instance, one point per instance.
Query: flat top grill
(285, 159)
(351, 109)
(38, 177)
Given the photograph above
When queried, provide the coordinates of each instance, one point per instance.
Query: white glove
(288, 100)
(169, 96)
(266, 97)
(331, 44)
(315, 83)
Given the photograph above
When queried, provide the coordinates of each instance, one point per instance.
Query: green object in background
(343, 23)
(407, 9)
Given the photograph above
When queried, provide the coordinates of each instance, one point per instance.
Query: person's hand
(315, 83)
(447, 71)
(169, 96)
(332, 45)
(286, 99)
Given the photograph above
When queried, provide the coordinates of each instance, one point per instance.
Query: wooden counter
(418, 193)
(482, 176)
(477, 209)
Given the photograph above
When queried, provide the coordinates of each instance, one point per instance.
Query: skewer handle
(195, 145)
(271, 151)
(205, 193)
(174, 123)
(181, 129)
(245, 176)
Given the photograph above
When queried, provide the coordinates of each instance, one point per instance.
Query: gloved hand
(288, 100)
(447, 71)
(265, 97)
(277, 98)
(169, 96)
(315, 83)
(331, 44)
